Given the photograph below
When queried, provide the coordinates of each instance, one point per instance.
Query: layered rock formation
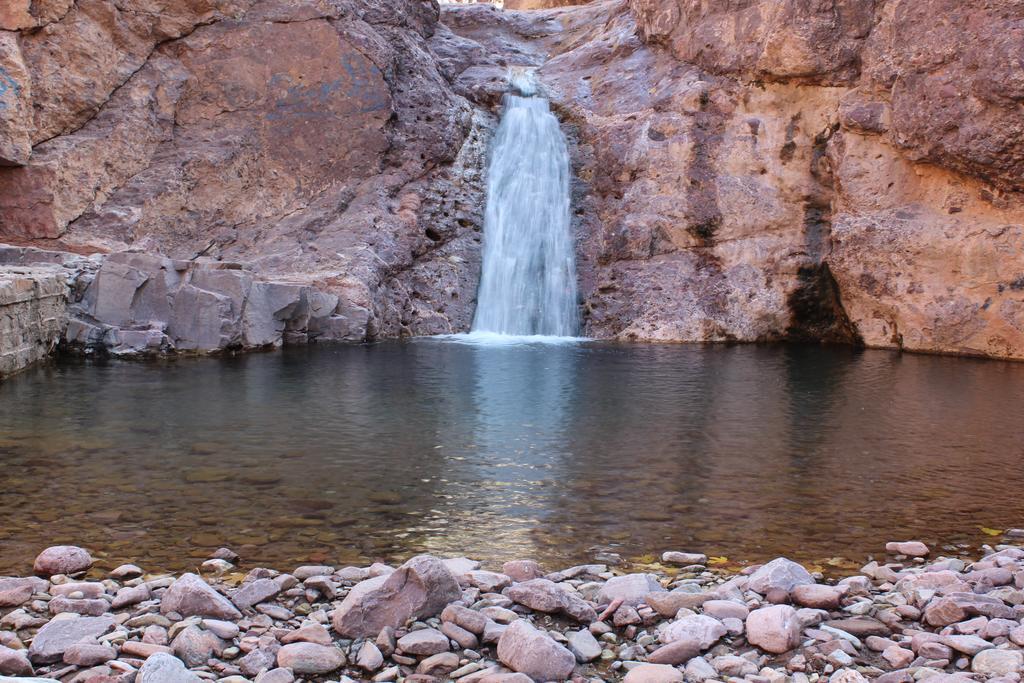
(847, 170)
(315, 141)
(768, 169)
(33, 313)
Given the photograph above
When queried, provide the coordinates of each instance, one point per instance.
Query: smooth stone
(15, 662)
(584, 646)
(255, 592)
(632, 589)
(310, 632)
(698, 629)
(677, 652)
(527, 650)
(53, 639)
(522, 570)
(164, 668)
(997, 662)
(222, 629)
(278, 675)
(653, 673)
(369, 657)
(89, 654)
(439, 664)
(909, 548)
(775, 629)
(62, 559)
(190, 596)
(683, 559)
(471, 620)
(779, 574)
(547, 596)
(423, 643)
(310, 658)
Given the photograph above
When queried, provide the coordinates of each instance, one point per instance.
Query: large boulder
(420, 588)
(527, 650)
(190, 596)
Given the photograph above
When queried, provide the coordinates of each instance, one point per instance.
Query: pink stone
(817, 596)
(420, 588)
(910, 548)
(780, 574)
(310, 658)
(653, 673)
(775, 629)
(522, 570)
(190, 596)
(62, 559)
(526, 650)
(698, 629)
(547, 596)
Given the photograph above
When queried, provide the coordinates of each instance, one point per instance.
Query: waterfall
(528, 283)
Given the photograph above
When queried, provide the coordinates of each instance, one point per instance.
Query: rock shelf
(913, 617)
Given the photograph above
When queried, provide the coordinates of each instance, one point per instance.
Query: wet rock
(423, 642)
(310, 658)
(190, 596)
(165, 668)
(421, 587)
(779, 574)
(632, 589)
(62, 559)
(544, 595)
(53, 639)
(653, 673)
(684, 559)
(774, 629)
(526, 650)
(909, 548)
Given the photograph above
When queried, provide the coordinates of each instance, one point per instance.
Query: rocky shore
(909, 617)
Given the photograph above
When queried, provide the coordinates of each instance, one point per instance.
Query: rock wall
(314, 141)
(844, 170)
(33, 314)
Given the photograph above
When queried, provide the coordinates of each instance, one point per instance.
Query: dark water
(356, 453)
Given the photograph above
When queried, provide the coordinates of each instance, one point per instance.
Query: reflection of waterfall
(528, 283)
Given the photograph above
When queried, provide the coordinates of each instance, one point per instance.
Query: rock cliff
(313, 140)
(846, 170)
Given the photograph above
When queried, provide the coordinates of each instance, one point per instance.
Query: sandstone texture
(840, 171)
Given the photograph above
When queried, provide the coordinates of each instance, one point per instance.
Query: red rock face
(316, 141)
(776, 168)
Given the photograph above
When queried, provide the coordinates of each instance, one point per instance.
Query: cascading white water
(528, 283)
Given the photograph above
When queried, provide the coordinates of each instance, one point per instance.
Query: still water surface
(358, 453)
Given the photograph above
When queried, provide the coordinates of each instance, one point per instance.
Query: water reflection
(357, 453)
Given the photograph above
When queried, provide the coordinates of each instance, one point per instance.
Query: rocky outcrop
(33, 314)
(315, 141)
(840, 171)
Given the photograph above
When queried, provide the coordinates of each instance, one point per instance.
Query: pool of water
(555, 452)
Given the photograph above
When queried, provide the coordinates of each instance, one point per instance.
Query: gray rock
(53, 639)
(584, 646)
(161, 667)
(779, 574)
(527, 650)
(191, 596)
(631, 588)
(255, 592)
